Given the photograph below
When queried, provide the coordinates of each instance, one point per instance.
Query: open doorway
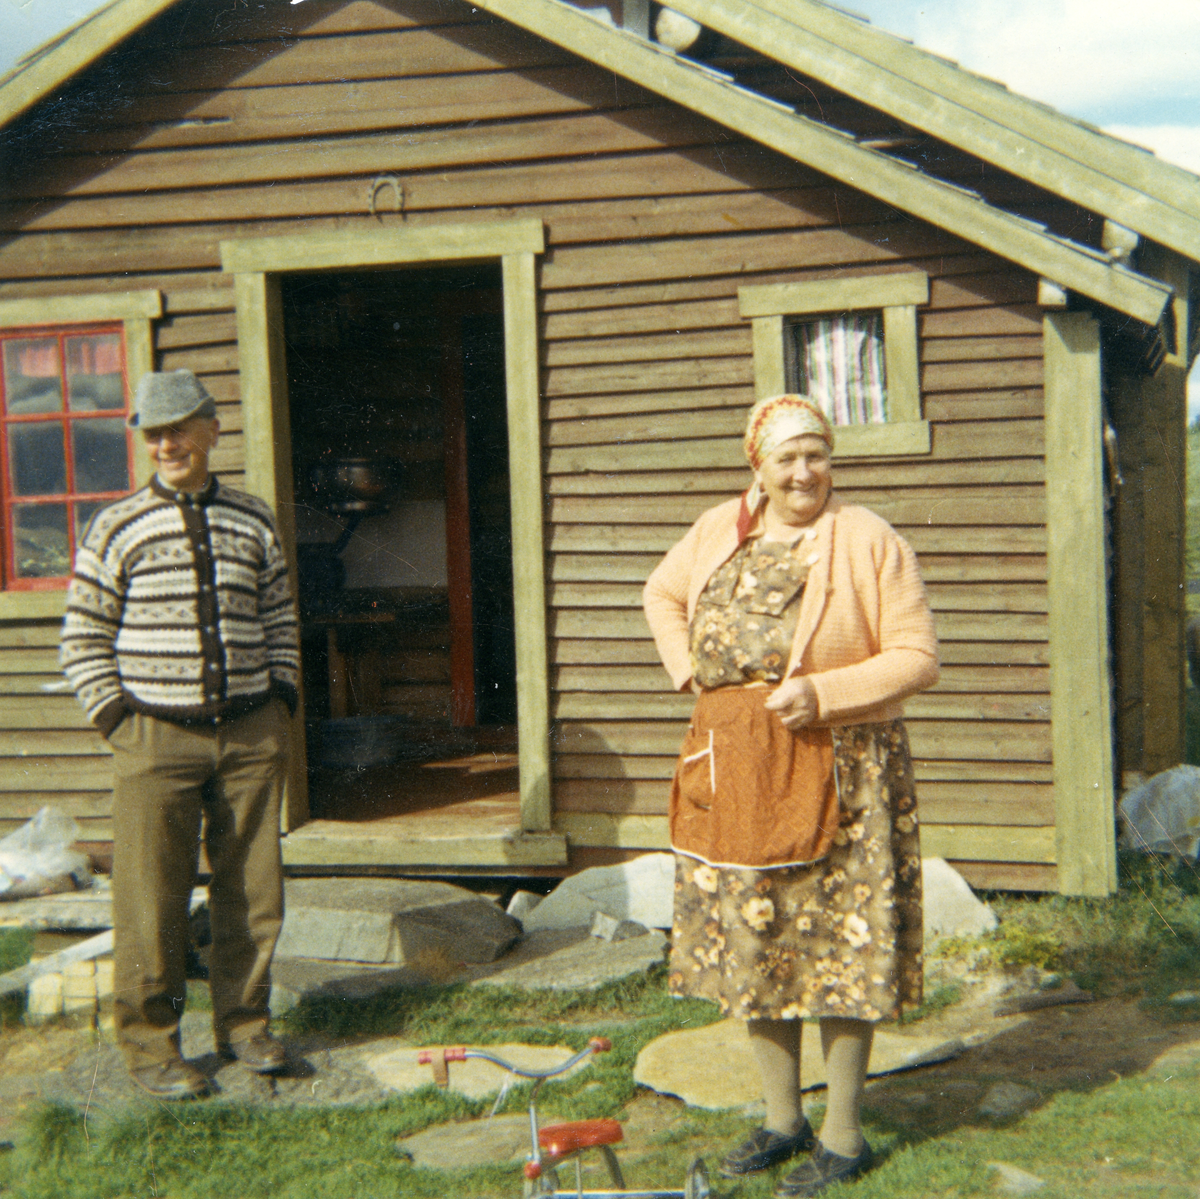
(396, 384)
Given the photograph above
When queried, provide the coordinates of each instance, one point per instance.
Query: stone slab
(82, 911)
(494, 1140)
(569, 959)
(642, 890)
(399, 1070)
(714, 1066)
(394, 921)
(296, 979)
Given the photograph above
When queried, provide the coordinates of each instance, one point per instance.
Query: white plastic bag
(1163, 814)
(38, 859)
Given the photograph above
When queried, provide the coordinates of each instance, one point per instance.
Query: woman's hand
(795, 700)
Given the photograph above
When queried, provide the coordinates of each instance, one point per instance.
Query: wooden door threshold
(480, 832)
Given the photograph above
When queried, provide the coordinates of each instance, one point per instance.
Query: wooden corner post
(1080, 684)
(529, 562)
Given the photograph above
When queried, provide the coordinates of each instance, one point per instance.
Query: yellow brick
(45, 998)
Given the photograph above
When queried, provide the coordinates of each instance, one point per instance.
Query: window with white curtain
(851, 344)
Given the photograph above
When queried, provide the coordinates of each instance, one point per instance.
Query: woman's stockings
(847, 1048)
(777, 1047)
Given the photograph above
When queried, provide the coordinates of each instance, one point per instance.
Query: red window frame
(71, 498)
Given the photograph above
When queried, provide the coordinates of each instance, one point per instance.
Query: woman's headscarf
(772, 422)
(780, 418)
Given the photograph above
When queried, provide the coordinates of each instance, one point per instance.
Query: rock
(469, 1143)
(568, 959)
(1004, 1100)
(521, 904)
(949, 904)
(714, 1066)
(642, 890)
(396, 921)
(1163, 814)
(609, 928)
(1015, 1181)
(1183, 998)
(296, 979)
(399, 1070)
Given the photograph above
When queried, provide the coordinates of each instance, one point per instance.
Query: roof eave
(967, 216)
(978, 116)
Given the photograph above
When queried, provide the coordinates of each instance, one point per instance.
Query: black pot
(353, 485)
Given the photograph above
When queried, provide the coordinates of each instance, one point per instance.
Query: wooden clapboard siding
(280, 121)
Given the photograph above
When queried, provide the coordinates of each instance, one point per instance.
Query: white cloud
(1083, 56)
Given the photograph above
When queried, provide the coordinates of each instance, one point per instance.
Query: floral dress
(839, 937)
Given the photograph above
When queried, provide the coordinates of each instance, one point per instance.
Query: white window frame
(772, 307)
(137, 310)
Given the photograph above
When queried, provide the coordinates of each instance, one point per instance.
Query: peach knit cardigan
(865, 635)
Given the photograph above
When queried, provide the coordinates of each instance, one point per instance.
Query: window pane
(40, 539)
(83, 513)
(37, 460)
(94, 378)
(32, 375)
(840, 364)
(101, 455)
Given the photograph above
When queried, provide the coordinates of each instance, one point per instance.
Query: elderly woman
(801, 623)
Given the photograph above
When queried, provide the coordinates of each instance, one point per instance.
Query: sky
(1132, 69)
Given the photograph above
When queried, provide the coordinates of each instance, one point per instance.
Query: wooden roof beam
(36, 77)
(833, 153)
(975, 114)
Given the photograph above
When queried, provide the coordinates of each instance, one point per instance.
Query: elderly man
(180, 641)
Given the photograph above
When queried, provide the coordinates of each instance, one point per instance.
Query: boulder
(642, 890)
(949, 904)
(1163, 814)
(395, 921)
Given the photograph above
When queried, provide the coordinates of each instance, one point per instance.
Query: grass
(1114, 1138)
(16, 948)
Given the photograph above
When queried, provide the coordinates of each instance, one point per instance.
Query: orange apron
(749, 792)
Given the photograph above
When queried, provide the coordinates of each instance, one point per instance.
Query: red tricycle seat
(560, 1140)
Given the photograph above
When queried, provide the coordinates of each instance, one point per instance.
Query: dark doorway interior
(397, 378)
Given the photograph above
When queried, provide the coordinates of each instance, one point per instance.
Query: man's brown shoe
(172, 1079)
(261, 1053)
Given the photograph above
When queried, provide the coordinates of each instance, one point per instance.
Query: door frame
(257, 265)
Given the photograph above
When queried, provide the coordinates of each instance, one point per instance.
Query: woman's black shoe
(765, 1149)
(821, 1170)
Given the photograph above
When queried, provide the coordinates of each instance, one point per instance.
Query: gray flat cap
(167, 397)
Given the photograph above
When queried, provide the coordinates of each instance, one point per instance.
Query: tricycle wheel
(696, 1184)
(546, 1184)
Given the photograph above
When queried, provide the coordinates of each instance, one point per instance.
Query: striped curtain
(839, 361)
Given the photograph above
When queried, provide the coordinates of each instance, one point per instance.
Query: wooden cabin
(534, 266)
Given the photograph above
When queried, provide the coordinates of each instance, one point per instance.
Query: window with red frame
(64, 447)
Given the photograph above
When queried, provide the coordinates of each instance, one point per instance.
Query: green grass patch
(16, 948)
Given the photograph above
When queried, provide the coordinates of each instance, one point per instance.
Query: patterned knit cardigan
(181, 607)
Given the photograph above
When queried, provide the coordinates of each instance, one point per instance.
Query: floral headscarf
(780, 418)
